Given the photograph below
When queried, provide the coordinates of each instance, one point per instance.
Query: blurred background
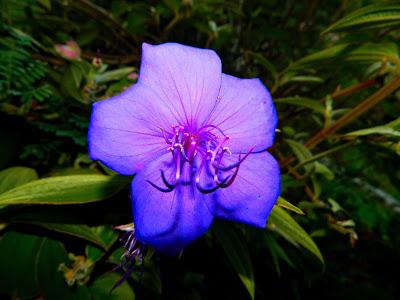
(333, 69)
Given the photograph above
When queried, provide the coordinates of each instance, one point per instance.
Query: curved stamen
(167, 184)
(232, 179)
(182, 150)
(232, 166)
(159, 188)
(214, 127)
(135, 251)
(208, 191)
(167, 140)
(218, 163)
(203, 150)
(216, 150)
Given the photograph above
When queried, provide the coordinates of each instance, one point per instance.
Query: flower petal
(253, 193)
(125, 132)
(186, 80)
(167, 221)
(246, 113)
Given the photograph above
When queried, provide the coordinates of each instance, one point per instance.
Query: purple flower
(196, 139)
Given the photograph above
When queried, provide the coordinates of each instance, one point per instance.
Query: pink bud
(133, 76)
(69, 50)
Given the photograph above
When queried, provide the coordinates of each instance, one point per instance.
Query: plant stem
(297, 176)
(349, 117)
(355, 112)
(353, 89)
(322, 154)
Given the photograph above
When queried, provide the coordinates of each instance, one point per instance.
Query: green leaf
(306, 78)
(237, 254)
(18, 254)
(370, 53)
(73, 189)
(113, 75)
(286, 204)
(323, 170)
(150, 279)
(102, 286)
(389, 129)
(323, 154)
(80, 231)
(29, 267)
(50, 279)
(370, 17)
(277, 252)
(16, 176)
(108, 237)
(315, 105)
(282, 223)
(71, 81)
(76, 74)
(317, 58)
(301, 152)
(261, 60)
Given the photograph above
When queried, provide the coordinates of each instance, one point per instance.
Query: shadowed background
(333, 69)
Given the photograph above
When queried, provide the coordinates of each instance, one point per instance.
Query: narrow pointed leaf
(79, 231)
(237, 254)
(301, 152)
(282, 223)
(113, 75)
(313, 104)
(286, 204)
(277, 252)
(74, 189)
(316, 59)
(370, 17)
(370, 53)
(389, 129)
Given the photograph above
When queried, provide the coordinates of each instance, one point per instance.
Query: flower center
(205, 151)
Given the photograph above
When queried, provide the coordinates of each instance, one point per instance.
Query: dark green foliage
(21, 77)
(334, 237)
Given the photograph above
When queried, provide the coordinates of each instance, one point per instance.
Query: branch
(349, 117)
(354, 89)
(103, 15)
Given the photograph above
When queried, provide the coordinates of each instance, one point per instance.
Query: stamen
(226, 149)
(167, 184)
(167, 140)
(206, 145)
(214, 127)
(203, 161)
(178, 167)
(230, 167)
(208, 191)
(159, 188)
(232, 179)
(134, 252)
(218, 147)
(182, 149)
(192, 150)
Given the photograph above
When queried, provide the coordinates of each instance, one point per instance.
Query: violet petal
(168, 221)
(124, 133)
(246, 113)
(252, 195)
(185, 79)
